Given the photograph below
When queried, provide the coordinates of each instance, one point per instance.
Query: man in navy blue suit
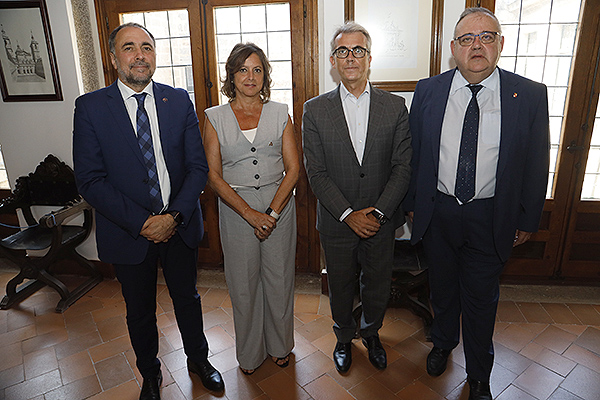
(480, 170)
(140, 162)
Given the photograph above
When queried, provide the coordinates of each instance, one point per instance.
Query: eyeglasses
(484, 37)
(344, 52)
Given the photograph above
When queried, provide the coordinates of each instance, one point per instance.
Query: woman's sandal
(247, 371)
(281, 362)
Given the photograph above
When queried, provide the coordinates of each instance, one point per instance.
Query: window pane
(535, 11)
(532, 40)
(164, 75)
(138, 18)
(227, 20)
(259, 39)
(181, 51)
(555, 126)
(254, 18)
(531, 67)
(179, 23)
(278, 17)
(556, 71)
(507, 63)
(511, 36)
(224, 45)
(565, 11)
(158, 23)
(280, 46)
(163, 52)
(591, 180)
(561, 39)
(556, 100)
(280, 76)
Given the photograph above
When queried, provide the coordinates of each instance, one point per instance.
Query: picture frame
(28, 69)
(407, 39)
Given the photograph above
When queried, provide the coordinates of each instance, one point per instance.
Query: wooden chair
(52, 184)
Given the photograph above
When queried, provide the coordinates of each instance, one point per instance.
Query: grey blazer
(335, 175)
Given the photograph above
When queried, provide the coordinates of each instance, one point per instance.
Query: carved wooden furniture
(52, 184)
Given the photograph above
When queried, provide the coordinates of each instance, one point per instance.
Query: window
(3, 176)
(267, 26)
(173, 53)
(539, 39)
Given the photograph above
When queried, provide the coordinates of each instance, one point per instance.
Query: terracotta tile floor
(544, 350)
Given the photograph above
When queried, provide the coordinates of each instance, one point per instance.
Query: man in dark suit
(140, 162)
(480, 170)
(357, 150)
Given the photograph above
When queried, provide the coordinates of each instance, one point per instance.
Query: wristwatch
(382, 219)
(272, 213)
(177, 217)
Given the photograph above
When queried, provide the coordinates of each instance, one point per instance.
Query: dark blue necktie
(145, 142)
(465, 174)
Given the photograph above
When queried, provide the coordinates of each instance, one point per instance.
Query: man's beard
(131, 78)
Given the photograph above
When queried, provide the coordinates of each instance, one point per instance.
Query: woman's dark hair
(235, 61)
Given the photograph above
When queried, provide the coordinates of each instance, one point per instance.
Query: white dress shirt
(488, 142)
(150, 106)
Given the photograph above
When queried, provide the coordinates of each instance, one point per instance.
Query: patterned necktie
(145, 142)
(465, 174)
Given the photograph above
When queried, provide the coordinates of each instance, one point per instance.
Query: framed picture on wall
(406, 35)
(28, 70)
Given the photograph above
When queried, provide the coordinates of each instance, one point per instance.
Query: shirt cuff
(346, 213)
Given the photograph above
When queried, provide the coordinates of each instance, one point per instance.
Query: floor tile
(584, 357)
(76, 367)
(282, 386)
(590, 339)
(371, 389)
(34, 387)
(39, 362)
(587, 314)
(325, 388)
(582, 382)
(555, 339)
(514, 393)
(534, 312)
(538, 381)
(113, 372)
(76, 390)
(560, 313)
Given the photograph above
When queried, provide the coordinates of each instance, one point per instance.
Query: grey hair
(113, 35)
(350, 27)
(478, 10)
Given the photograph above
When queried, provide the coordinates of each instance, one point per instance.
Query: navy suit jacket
(522, 172)
(111, 175)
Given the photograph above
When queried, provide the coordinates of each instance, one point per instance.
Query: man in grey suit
(357, 154)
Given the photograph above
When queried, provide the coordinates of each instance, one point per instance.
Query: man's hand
(521, 237)
(159, 228)
(362, 223)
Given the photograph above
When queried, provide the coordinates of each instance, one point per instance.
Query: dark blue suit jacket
(522, 173)
(112, 177)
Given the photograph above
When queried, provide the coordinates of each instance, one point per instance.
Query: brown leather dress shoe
(151, 388)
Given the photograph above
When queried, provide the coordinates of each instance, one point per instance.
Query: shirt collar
(492, 82)
(344, 93)
(128, 92)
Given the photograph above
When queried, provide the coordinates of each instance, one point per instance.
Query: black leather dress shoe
(437, 361)
(211, 378)
(342, 356)
(377, 354)
(480, 390)
(151, 388)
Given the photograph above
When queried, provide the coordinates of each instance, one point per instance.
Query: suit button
(362, 175)
(255, 162)
(253, 149)
(256, 176)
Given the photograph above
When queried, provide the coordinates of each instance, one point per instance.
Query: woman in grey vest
(254, 166)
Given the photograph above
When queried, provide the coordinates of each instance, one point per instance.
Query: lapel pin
(270, 143)
(165, 99)
(515, 94)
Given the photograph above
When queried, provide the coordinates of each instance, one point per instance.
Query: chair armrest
(57, 217)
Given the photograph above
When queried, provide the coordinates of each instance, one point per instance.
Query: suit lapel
(119, 111)
(375, 117)
(438, 109)
(338, 119)
(163, 112)
(509, 103)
